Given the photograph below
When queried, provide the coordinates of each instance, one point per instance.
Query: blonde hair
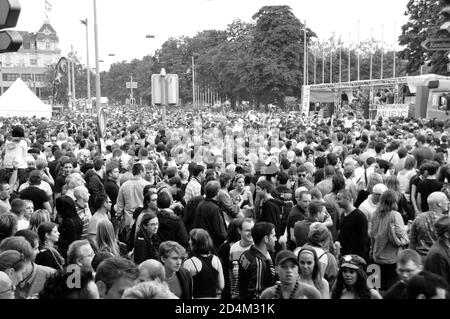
(106, 239)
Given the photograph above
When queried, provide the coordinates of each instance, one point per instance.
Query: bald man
(422, 235)
(151, 269)
(6, 287)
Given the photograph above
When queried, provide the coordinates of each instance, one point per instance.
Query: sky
(123, 25)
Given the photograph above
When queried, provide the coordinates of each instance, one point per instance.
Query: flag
(48, 6)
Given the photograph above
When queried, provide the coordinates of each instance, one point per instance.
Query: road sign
(10, 40)
(132, 85)
(436, 44)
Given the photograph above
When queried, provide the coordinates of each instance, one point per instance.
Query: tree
(276, 48)
(423, 24)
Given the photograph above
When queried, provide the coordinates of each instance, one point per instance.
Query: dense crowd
(223, 204)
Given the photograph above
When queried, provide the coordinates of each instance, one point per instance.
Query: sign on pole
(436, 44)
(306, 98)
(132, 85)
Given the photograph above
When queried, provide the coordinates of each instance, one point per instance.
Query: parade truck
(438, 104)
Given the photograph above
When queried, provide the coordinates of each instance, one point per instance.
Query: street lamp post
(97, 62)
(88, 96)
(194, 55)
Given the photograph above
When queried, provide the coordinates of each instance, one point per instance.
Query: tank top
(204, 279)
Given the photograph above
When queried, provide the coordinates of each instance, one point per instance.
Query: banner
(392, 110)
(306, 97)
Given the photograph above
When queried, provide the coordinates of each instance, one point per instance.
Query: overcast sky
(123, 25)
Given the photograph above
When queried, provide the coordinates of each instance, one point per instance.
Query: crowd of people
(224, 205)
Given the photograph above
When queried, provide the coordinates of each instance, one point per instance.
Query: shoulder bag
(395, 240)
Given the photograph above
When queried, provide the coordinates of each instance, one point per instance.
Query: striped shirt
(193, 189)
(85, 215)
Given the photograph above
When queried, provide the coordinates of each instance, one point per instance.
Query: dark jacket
(71, 226)
(189, 212)
(95, 186)
(145, 247)
(171, 227)
(271, 213)
(112, 190)
(209, 216)
(438, 260)
(50, 258)
(256, 273)
(185, 278)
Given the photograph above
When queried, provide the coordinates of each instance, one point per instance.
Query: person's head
(374, 179)
(309, 263)
(302, 172)
(212, 189)
(5, 191)
(18, 207)
(352, 276)
(101, 202)
(377, 191)
(56, 286)
(13, 264)
(81, 194)
(344, 198)
(199, 172)
(225, 180)
(319, 235)
(150, 223)
(409, 263)
(67, 167)
(114, 275)
(112, 171)
(286, 266)
(426, 285)
(200, 242)
(164, 200)
(264, 187)
(442, 227)
(149, 290)
(32, 238)
(264, 234)
(282, 178)
(48, 234)
(105, 237)
(316, 210)
(239, 181)
(171, 254)
(438, 202)
(330, 171)
(151, 200)
(410, 162)
(80, 253)
(40, 216)
(99, 258)
(138, 170)
(29, 208)
(7, 287)
(21, 245)
(392, 183)
(8, 225)
(151, 269)
(75, 180)
(388, 202)
(245, 228)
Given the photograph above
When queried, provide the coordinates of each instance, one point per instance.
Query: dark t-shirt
(36, 195)
(59, 183)
(353, 235)
(425, 188)
(397, 291)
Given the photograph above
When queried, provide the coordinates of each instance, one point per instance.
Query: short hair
(56, 286)
(137, 169)
(44, 229)
(113, 269)
(168, 246)
(346, 193)
(74, 250)
(149, 290)
(17, 205)
(110, 167)
(98, 163)
(265, 185)
(100, 200)
(99, 258)
(260, 230)
(164, 200)
(212, 189)
(424, 283)
(201, 242)
(224, 179)
(409, 255)
(197, 170)
(329, 171)
(282, 178)
(71, 180)
(244, 220)
(30, 236)
(20, 244)
(315, 207)
(436, 198)
(8, 225)
(410, 162)
(79, 190)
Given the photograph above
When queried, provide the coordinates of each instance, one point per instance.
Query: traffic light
(10, 40)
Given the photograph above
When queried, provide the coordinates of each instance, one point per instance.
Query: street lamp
(88, 96)
(194, 55)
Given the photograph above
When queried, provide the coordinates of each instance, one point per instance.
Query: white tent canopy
(20, 101)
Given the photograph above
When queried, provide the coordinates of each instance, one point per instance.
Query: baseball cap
(353, 262)
(285, 255)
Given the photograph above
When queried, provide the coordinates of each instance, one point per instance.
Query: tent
(20, 101)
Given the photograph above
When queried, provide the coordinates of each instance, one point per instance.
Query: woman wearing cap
(310, 272)
(351, 281)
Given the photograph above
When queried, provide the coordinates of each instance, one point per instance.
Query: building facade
(39, 51)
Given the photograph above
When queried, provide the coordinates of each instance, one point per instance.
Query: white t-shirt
(16, 152)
